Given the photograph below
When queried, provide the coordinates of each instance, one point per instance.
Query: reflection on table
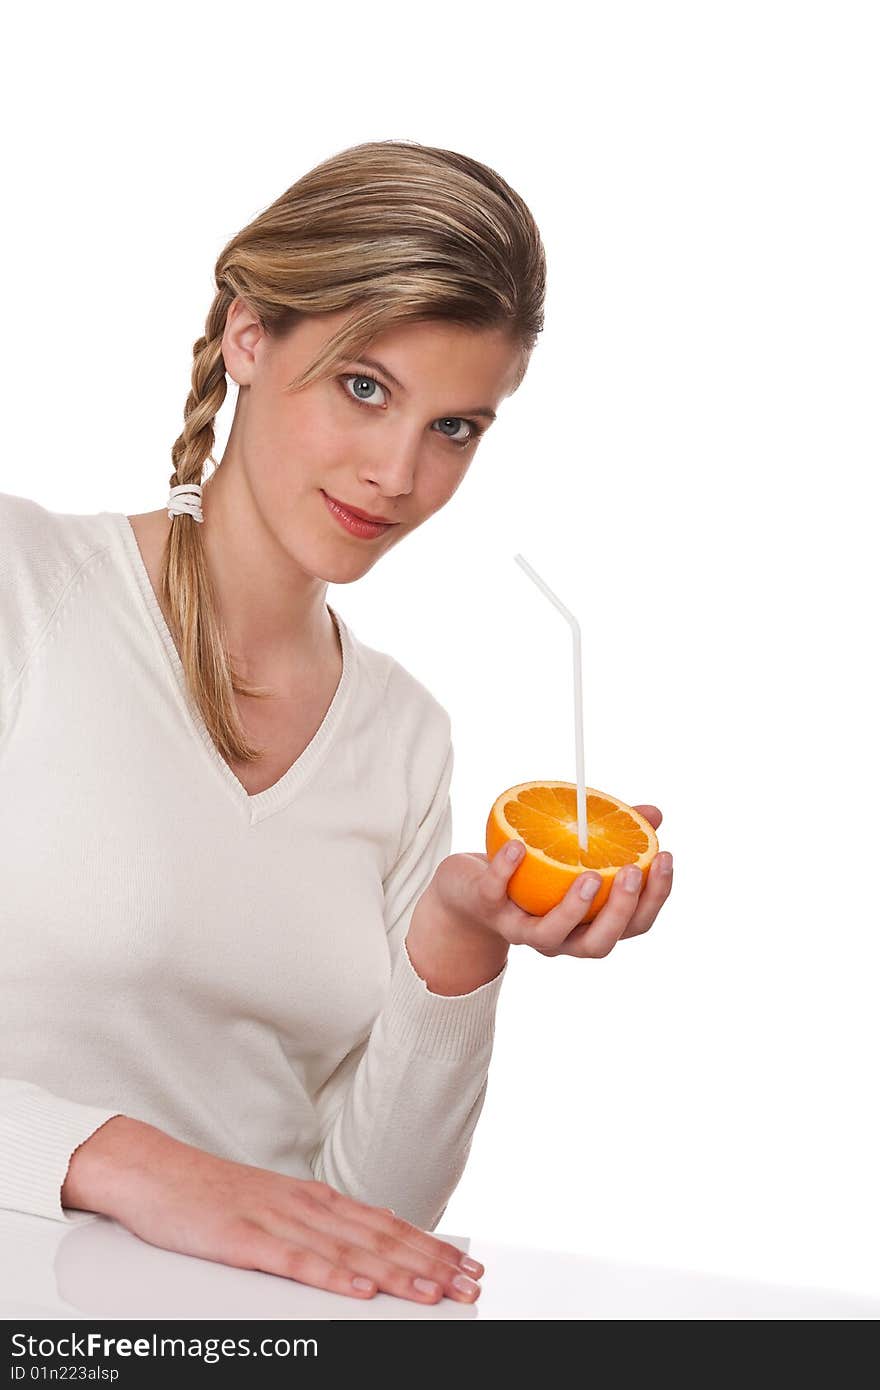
(98, 1269)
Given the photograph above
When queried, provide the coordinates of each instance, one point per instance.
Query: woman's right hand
(183, 1199)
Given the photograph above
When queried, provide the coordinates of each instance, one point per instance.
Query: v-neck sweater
(230, 968)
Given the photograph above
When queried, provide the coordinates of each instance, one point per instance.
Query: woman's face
(394, 441)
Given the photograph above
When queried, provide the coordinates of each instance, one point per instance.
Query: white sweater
(229, 968)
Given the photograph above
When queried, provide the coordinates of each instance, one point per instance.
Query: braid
(194, 445)
(186, 584)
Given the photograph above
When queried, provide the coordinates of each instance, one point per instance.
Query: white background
(690, 463)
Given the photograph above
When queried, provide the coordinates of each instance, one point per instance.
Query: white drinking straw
(578, 698)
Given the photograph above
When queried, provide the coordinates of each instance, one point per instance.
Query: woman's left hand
(472, 890)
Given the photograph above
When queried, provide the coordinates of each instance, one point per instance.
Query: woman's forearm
(450, 956)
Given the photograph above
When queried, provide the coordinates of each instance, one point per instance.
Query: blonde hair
(400, 231)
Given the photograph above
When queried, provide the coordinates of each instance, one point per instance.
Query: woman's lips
(355, 525)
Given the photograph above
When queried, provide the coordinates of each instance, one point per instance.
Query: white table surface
(98, 1269)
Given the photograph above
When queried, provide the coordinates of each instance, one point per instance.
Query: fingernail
(463, 1284)
(665, 862)
(471, 1266)
(426, 1286)
(514, 851)
(588, 887)
(631, 877)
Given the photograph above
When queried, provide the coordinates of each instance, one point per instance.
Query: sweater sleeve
(39, 1134)
(403, 1132)
(39, 1131)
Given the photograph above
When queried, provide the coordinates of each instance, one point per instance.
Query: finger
(546, 934)
(652, 814)
(257, 1248)
(384, 1219)
(501, 869)
(394, 1265)
(653, 896)
(598, 938)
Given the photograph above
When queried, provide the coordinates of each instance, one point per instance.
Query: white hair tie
(186, 498)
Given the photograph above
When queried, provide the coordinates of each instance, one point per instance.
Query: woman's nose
(393, 463)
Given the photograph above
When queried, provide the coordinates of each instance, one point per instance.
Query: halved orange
(543, 817)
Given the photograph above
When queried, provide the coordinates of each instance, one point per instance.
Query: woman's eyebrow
(379, 366)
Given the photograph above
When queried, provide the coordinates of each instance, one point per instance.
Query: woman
(264, 1032)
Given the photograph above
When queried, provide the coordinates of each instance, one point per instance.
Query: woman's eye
(458, 423)
(361, 381)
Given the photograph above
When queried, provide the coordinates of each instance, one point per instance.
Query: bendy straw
(578, 697)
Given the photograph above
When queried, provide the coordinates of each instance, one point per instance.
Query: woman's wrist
(452, 956)
(99, 1168)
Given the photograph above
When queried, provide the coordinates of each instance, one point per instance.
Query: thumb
(505, 864)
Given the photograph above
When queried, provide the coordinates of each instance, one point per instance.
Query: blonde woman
(248, 997)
